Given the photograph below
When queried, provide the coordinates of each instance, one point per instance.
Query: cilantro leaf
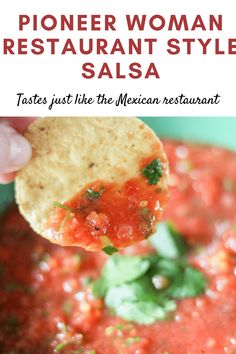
(140, 289)
(153, 171)
(168, 267)
(168, 242)
(115, 296)
(109, 250)
(92, 195)
(189, 283)
(120, 269)
(99, 287)
(144, 312)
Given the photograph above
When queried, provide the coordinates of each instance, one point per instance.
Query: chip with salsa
(98, 183)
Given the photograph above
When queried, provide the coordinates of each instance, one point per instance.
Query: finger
(15, 150)
(7, 178)
(19, 123)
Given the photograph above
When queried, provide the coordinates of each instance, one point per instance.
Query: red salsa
(46, 303)
(108, 214)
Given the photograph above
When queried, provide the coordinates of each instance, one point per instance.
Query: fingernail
(15, 150)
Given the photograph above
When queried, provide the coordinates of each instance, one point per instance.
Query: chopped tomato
(124, 214)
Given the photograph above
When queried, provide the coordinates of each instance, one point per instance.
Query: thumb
(15, 150)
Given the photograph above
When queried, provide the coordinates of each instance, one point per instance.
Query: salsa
(46, 302)
(111, 216)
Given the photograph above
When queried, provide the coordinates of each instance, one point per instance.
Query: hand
(15, 151)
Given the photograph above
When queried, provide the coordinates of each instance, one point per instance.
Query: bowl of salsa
(175, 294)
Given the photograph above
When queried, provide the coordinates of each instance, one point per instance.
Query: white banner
(150, 58)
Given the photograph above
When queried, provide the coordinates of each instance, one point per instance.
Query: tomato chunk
(105, 214)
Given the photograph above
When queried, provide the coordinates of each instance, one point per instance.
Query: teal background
(6, 196)
(211, 130)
